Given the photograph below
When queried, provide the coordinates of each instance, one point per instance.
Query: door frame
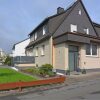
(76, 62)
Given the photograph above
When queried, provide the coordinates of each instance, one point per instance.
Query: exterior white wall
(60, 57)
(20, 48)
(47, 57)
(90, 62)
(29, 52)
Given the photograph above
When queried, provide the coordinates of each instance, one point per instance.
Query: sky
(19, 17)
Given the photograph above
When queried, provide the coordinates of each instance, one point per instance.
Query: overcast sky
(19, 17)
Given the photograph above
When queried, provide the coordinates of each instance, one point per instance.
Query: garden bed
(44, 72)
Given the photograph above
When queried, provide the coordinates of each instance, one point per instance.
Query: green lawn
(8, 75)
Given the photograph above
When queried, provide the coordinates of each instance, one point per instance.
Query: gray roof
(50, 17)
(33, 43)
(66, 12)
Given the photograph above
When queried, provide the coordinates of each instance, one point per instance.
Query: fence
(23, 60)
(20, 85)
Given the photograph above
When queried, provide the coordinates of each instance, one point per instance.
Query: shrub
(34, 71)
(50, 73)
(8, 61)
(45, 69)
(48, 67)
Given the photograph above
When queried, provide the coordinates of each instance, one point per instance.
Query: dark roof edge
(80, 34)
(96, 24)
(45, 20)
(38, 41)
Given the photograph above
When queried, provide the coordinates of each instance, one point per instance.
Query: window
(80, 12)
(32, 37)
(36, 53)
(35, 37)
(86, 30)
(94, 49)
(44, 30)
(88, 50)
(73, 28)
(42, 50)
(91, 49)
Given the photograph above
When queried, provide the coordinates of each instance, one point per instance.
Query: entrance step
(75, 73)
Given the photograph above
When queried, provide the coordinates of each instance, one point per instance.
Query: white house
(19, 48)
(2, 56)
(1, 52)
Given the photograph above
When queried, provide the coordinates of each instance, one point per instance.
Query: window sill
(42, 55)
(92, 56)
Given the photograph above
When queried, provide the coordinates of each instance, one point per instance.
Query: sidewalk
(82, 77)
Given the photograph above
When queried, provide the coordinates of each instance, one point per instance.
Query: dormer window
(44, 30)
(32, 37)
(73, 28)
(35, 37)
(80, 12)
(86, 30)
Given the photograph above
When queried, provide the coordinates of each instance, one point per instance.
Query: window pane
(35, 35)
(86, 30)
(94, 49)
(80, 12)
(88, 51)
(42, 50)
(73, 28)
(44, 30)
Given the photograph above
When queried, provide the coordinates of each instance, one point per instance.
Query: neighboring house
(19, 56)
(68, 40)
(19, 48)
(2, 53)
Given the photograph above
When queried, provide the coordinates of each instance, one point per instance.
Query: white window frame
(42, 50)
(80, 12)
(36, 51)
(86, 30)
(32, 38)
(73, 28)
(91, 55)
(35, 36)
(44, 30)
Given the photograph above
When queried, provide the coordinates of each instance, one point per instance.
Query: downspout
(52, 54)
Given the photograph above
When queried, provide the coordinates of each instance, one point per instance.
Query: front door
(73, 58)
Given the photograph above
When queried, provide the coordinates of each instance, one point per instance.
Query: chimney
(60, 10)
(78, 0)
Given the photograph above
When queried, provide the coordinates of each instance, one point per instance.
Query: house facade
(19, 48)
(68, 40)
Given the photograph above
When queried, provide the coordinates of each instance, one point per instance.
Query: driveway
(85, 89)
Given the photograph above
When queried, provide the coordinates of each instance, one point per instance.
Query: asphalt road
(86, 90)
